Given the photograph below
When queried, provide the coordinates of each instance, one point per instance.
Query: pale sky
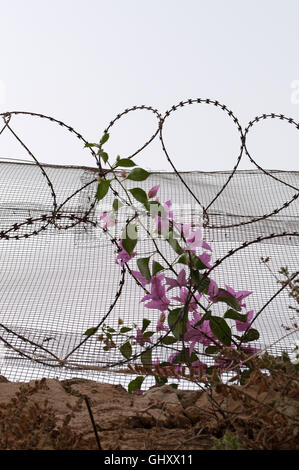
(85, 61)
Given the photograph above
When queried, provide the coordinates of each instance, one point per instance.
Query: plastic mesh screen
(62, 278)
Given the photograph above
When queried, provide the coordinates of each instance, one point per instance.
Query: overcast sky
(85, 61)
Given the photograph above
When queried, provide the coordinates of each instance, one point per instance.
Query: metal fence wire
(58, 270)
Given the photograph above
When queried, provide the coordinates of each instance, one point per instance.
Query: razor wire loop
(258, 119)
(87, 217)
(137, 108)
(230, 114)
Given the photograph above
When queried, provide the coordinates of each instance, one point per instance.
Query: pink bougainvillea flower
(197, 365)
(205, 258)
(192, 307)
(140, 339)
(160, 323)
(198, 334)
(167, 206)
(185, 230)
(240, 295)
(242, 326)
(172, 356)
(181, 280)
(206, 246)
(123, 257)
(213, 291)
(143, 281)
(194, 240)
(109, 221)
(162, 224)
(177, 368)
(153, 191)
(163, 218)
(157, 297)
(187, 233)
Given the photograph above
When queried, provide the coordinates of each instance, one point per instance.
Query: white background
(85, 61)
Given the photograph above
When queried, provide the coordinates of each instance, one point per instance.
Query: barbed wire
(57, 216)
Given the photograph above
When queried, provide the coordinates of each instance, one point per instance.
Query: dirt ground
(52, 414)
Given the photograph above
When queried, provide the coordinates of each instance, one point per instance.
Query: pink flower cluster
(199, 334)
(159, 287)
(157, 297)
(140, 338)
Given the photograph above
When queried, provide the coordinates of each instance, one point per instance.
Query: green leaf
(126, 350)
(233, 315)
(147, 206)
(104, 138)
(138, 174)
(175, 386)
(207, 316)
(183, 357)
(212, 350)
(225, 296)
(129, 239)
(184, 259)
(142, 264)
(117, 204)
(160, 380)
(146, 358)
(128, 245)
(251, 335)
(145, 323)
(103, 155)
(135, 384)
(148, 334)
(125, 162)
(90, 331)
(103, 188)
(139, 195)
(195, 277)
(201, 285)
(174, 244)
(221, 330)
(197, 263)
(169, 340)
(125, 329)
(89, 145)
(157, 267)
(177, 322)
(190, 259)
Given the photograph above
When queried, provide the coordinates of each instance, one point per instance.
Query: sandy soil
(52, 414)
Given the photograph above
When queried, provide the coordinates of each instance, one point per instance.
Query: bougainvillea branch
(184, 298)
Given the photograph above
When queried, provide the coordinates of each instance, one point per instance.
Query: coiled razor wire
(28, 343)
